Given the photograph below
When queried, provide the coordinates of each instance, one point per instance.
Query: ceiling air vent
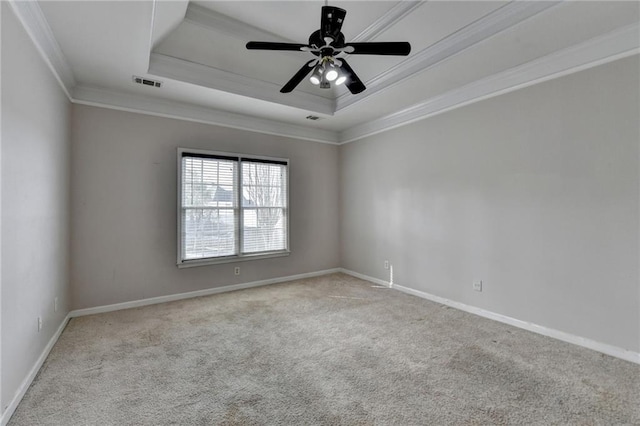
(147, 81)
(313, 117)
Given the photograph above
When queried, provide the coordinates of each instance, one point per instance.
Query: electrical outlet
(236, 270)
(477, 285)
(55, 304)
(386, 264)
(39, 324)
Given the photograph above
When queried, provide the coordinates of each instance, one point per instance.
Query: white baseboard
(4, 419)
(604, 348)
(198, 293)
(366, 277)
(560, 335)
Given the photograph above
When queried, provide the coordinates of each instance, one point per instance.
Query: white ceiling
(462, 51)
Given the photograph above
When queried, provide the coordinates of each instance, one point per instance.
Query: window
(231, 207)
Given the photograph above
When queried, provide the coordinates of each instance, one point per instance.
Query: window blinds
(231, 206)
(209, 204)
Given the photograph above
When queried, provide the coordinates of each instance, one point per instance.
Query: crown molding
(35, 24)
(499, 20)
(106, 98)
(386, 21)
(615, 45)
(215, 78)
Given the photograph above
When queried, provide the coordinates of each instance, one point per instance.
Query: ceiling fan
(329, 46)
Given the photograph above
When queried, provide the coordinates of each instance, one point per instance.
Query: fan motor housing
(316, 39)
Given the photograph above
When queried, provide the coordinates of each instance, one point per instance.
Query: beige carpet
(332, 350)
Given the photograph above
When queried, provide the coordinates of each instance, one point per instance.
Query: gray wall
(35, 204)
(124, 206)
(534, 192)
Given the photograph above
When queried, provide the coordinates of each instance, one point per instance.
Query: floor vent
(147, 81)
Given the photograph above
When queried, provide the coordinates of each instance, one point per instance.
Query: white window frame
(181, 262)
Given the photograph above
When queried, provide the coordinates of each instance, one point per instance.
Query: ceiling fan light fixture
(316, 76)
(341, 79)
(332, 73)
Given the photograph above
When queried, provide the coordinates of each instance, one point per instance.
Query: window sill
(231, 259)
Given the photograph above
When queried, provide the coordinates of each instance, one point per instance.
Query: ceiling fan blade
(331, 23)
(353, 83)
(267, 45)
(300, 75)
(400, 48)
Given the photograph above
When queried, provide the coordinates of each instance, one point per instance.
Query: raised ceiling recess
(461, 52)
(329, 46)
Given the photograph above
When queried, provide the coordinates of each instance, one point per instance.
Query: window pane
(208, 182)
(264, 185)
(264, 230)
(264, 202)
(208, 233)
(209, 196)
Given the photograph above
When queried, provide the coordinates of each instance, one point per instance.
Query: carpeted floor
(332, 350)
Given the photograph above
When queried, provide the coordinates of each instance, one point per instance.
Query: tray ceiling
(461, 51)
